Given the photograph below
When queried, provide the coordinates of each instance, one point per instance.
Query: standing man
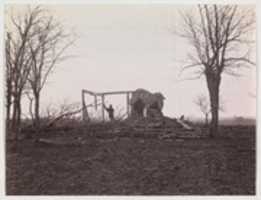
(110, 111)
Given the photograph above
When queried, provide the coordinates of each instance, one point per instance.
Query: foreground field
(132, 166)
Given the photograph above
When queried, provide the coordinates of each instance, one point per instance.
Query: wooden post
(85, 116)
(128, 103)
(95, 102)
(102, 96)
(130, 96)
(83, 106)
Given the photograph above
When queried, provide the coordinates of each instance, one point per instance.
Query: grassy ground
(133, 166)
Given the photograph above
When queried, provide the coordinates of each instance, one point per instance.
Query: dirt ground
(132, 165)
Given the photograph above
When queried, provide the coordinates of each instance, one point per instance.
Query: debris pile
(163, 127)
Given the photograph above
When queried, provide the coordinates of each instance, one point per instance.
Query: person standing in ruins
(110, 111)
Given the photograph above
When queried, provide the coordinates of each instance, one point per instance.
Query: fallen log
(55, 120)
(59, 142)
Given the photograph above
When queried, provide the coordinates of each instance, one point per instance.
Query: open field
(90, 164)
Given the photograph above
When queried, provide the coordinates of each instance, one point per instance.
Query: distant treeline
(231, 121)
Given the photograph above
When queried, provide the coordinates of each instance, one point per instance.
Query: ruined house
(146, 104)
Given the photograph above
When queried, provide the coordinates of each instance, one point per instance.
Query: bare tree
(8, 79)
(18, 61)
(219, 35)
(202, 102)
(46, 49)
(30, 109)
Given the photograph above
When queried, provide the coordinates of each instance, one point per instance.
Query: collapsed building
(140, 103)
(142, 107)
(146, 104)
(146, 110)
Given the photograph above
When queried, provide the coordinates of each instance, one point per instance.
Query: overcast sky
(125, 47)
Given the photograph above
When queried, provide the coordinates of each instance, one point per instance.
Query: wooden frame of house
(103, 96)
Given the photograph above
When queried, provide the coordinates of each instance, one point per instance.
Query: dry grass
(132, 165)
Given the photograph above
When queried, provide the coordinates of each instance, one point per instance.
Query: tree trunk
(214, 96)
(206, 119)
(213, 88)
(37, 110)
(19, 111)
(8, 109)
(14, 114)
(214, 123)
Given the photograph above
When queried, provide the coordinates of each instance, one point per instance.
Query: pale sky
(125, 47)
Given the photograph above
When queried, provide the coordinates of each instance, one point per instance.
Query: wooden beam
(106, 93)
(89, 92)
(83, 107)
(103, 118)
(128, 104)
(83, 104)
(114, 93)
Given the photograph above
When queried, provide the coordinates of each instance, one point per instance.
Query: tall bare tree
(8, 79)
(220, 36)
(18, 60)
(46, 49)
(203, 103)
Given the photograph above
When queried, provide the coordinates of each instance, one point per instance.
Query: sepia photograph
(130, 99)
